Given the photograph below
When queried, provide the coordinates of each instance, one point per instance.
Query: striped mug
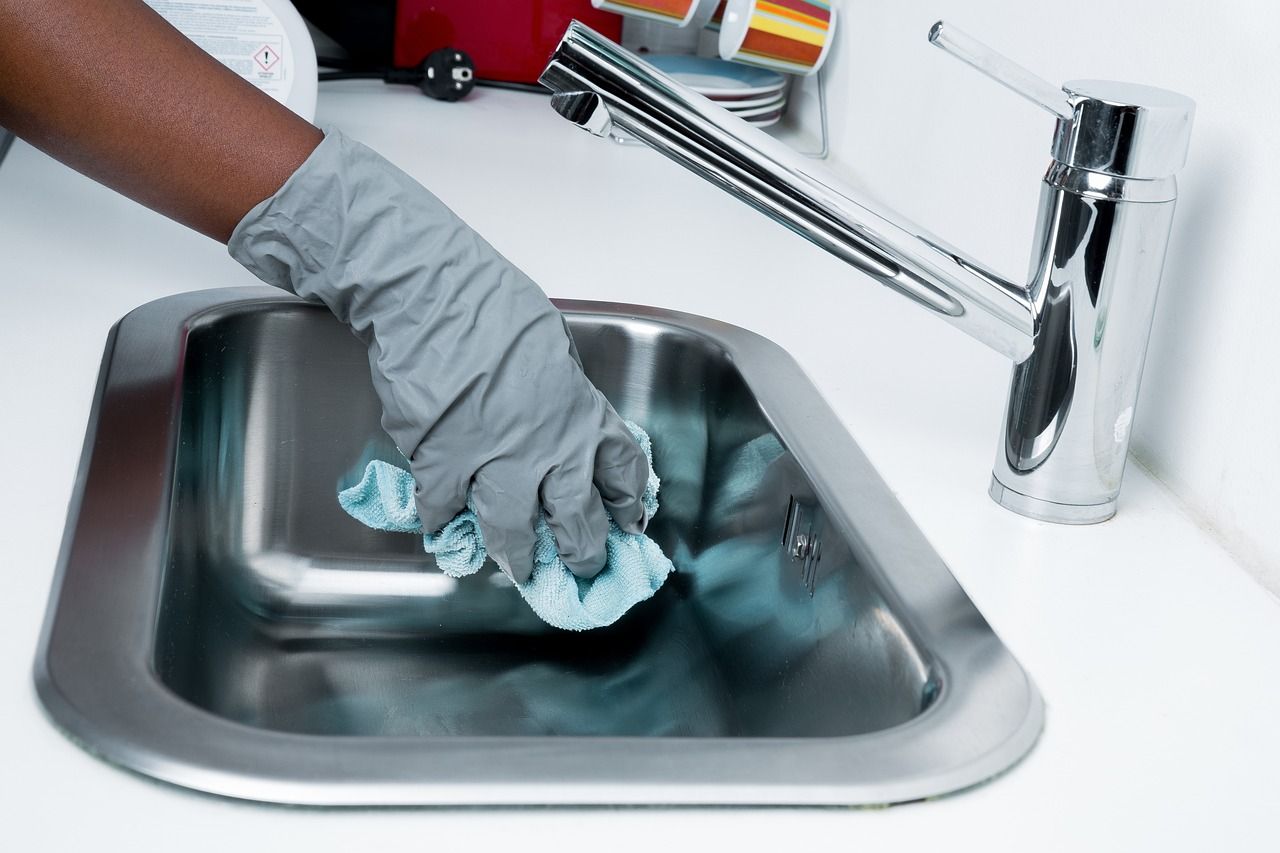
(677, 13)
(786, 35)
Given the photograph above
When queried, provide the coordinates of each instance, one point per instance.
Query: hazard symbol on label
(266, 57)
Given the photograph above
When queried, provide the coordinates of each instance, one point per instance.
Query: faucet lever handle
(1002, 69)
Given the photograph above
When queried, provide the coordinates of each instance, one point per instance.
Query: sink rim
(987, 715)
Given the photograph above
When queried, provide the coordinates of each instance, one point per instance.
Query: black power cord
(446, 74)
(348, 70)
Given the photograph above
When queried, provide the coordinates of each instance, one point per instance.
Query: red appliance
(508, 40)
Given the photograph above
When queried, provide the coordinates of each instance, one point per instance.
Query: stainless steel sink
(219, 623)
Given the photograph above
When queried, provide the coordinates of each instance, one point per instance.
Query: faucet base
(1043, 510)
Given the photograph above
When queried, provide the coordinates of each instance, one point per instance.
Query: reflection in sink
(279, 611)
(809, 648)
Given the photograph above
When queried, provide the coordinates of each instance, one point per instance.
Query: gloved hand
(479, 382)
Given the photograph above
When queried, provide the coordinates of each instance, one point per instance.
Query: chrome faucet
(1076, 331)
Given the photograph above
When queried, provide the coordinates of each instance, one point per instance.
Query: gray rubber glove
(479, 382)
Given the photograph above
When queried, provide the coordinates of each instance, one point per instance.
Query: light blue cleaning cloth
(634, 567)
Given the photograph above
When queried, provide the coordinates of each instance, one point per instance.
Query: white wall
(963, 157)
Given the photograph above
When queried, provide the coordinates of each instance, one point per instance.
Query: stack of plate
(757, 95)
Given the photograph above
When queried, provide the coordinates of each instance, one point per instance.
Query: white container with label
(264, 41)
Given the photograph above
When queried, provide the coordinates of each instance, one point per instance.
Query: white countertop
(1157, 655)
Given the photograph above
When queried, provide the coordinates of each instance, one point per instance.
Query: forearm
(112, 90)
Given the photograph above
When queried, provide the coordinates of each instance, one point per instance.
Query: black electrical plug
(447, 74)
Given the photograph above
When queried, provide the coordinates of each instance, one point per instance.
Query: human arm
(474, 367)
(115, 92)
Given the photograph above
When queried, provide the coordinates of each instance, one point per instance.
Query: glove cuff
(321, 235)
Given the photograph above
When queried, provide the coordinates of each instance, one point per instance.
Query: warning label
(266, 57)
(244, 35)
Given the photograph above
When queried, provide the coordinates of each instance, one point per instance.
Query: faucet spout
(1076, 331)
(585, 109)
(598, 86)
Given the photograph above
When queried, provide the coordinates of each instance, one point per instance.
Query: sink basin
(218, 622)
